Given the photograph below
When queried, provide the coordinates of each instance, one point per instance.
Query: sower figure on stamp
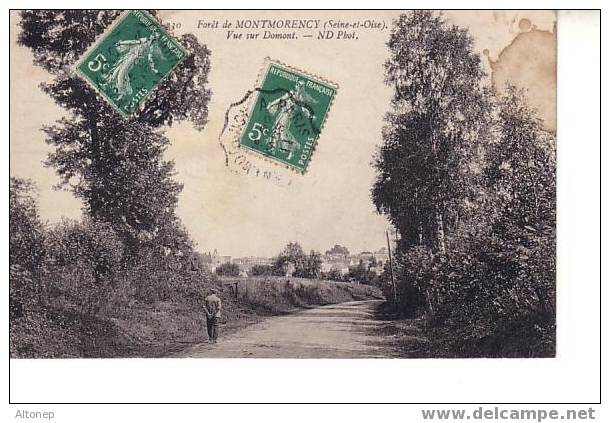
(131, 52)
(284, 108)
(212, 309)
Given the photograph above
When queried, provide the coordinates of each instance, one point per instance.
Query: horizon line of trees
(293, 261)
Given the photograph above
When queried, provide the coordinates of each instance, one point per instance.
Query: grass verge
(161, 327)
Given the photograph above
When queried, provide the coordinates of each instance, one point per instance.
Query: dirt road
(346, 330)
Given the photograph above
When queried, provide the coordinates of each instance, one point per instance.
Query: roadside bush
(333, 275)
(488, 298)
(293, 261)
(362, 274)
(280, 294)
(413, 273)
(264, 270)
(84, 258)
(26, 248)
(227, 269)
(23, 292)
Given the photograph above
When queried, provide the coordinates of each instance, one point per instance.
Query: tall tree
(425, 167)
(521, 174)
(115, 165)
(338, 249)
(305, 266)
(293, 255)
(26, 241)
(27, 248)
(520, 168)
(312, 265)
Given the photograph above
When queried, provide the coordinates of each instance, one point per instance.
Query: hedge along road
(345, 330)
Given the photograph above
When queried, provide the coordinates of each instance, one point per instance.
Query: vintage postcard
(282, 184)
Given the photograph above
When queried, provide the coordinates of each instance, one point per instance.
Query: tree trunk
(440, 231)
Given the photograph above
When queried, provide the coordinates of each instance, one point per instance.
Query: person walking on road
(212, 309)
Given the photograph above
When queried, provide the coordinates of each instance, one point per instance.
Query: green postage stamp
(130, 60)
(288, 115)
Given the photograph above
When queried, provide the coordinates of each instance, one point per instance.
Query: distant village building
(290, 269)
(378, 270)
(340, 266)
(333, 260)
(381, 255)
(342, 262)
(375, 261)
(216, 260)
(246, 263)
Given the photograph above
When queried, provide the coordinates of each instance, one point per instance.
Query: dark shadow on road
(403, 337)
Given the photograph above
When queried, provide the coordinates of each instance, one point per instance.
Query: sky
(240, 215)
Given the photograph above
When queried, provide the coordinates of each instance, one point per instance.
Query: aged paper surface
(243, 208)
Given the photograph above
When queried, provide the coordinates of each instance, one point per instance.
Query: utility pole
(391, 267)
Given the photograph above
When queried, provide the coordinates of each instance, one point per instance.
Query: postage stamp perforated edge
(267, 63)
(76, 67)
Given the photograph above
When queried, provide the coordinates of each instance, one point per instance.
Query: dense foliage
(227, 269)
(338, 249)
(438, 120)
(468, 179)
(265, 270)
(70, 281)
(293, 260)
(115, 165)
(27, 248)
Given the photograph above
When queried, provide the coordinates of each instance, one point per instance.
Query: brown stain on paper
(530, 61)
